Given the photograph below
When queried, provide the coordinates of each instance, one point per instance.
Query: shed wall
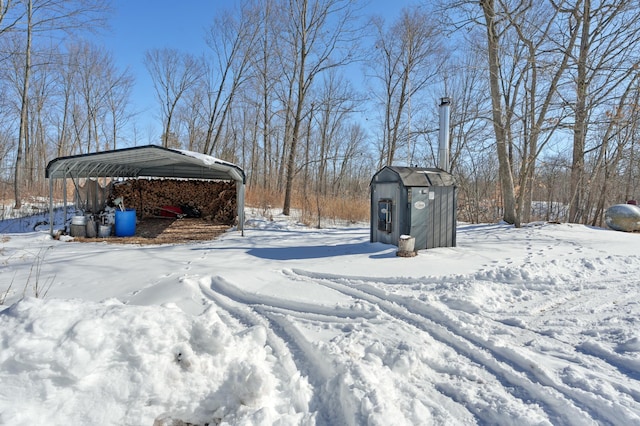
(433, 225)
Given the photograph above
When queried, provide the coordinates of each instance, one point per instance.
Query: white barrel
(79, 220)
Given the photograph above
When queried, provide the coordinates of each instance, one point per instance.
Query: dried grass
(314, 210)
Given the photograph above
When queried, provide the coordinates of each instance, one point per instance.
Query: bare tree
(117, 101)
(173, 73)
(40, 99)
(619, 129)
(63, 121)
(605, 61)
(233, 41)
(334, 108)
(349, 157)
(11, 14)
(49, 17)
(265, 70)
(464, 78)
(319, 35)
(540, 70)
(103, 91)
(22, 132)
(408, 58)
(192, 115)
(528, 58)
(495, 33)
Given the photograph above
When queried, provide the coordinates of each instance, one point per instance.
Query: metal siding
(453, 215)
(440, 224)
(386, 175)
(418, 228)
(447, 218)
(432, 220)
(443, 208)
(414, 176)
(435, 226)
(372, 214)
(403, 212)
(399, 214)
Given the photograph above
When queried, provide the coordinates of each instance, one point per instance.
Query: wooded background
(314, 96)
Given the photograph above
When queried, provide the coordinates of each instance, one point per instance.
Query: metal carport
(145, 161)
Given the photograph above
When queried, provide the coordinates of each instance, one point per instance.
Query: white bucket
(406, 246)
(78, 220)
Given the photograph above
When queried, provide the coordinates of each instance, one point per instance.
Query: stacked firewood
(212, 200)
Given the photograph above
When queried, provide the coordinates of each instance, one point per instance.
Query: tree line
(313, 96)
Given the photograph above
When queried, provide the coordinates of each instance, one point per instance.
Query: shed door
(384, 214)
(420, 212)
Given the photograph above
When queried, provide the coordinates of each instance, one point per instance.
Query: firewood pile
(211, 200)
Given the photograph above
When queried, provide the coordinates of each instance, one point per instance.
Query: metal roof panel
(415, 176)
(144, 161)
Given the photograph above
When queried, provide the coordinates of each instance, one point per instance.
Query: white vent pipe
(443, 136)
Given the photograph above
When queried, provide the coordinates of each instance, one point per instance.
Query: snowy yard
(296, 326)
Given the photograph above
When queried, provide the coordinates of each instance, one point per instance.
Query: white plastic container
(79, 220)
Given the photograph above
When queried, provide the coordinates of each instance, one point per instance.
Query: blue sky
(140, 25)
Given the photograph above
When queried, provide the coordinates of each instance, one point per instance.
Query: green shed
(416, 201)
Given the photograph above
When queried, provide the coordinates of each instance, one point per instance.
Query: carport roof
(144, 161)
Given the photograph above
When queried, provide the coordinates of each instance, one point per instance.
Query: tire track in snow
(588, 299)
(286, 341)
(340, 386)
(563, 404)
(334, 408)
(331, 376)
(361, 397)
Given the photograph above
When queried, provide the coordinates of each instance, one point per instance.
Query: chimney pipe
(443, 136)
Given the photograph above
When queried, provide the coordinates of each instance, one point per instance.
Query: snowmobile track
(280, 337)
(339, 408)
(526, 381)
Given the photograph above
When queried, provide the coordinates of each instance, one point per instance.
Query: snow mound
(77, 362)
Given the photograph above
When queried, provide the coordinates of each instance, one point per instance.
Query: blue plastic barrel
(125, 223)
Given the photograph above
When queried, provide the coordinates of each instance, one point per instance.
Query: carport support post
(240, 195)
(64, 201)
(51, 206)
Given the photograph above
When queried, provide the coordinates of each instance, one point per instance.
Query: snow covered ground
(296, 326)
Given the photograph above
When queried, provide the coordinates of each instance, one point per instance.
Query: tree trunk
(506, 177)
(580, 127)
(297, 120)
(22, 133)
